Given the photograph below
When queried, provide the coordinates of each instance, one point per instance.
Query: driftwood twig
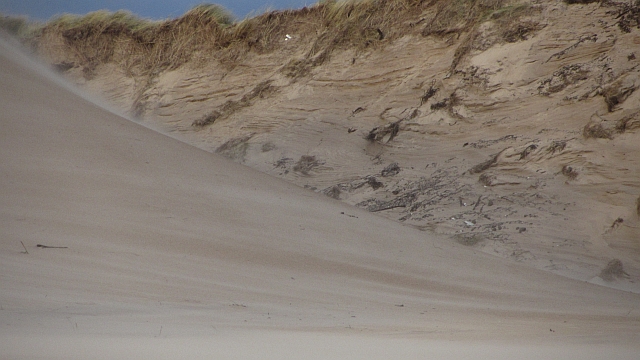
(25, 248)
(51, 247)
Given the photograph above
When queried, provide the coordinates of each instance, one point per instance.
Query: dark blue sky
(154, 9)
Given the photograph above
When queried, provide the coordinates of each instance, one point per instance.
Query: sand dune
(515, 132)
(158, 249)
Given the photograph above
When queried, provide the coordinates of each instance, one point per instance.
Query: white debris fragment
(287, 37)
(469, 223)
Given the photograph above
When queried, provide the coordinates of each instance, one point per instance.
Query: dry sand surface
(158, 249)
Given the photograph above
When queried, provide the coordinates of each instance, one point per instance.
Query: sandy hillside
(137, 245)
(510, 127)
(118, 241)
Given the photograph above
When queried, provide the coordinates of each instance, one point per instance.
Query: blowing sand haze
(153, 248)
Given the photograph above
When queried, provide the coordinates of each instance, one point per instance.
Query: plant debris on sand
(613, 270)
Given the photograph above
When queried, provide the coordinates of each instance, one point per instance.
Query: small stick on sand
(51, 247)
(25, 248)
(477, 202)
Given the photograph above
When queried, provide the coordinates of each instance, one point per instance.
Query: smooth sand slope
(172, 252)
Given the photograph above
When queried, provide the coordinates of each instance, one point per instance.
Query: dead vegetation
(603, 129)
(527, 151)
(207, 119)
(261, 91)
(469, 239)
(613, 270)
(428, 94)
(469, 19)
(617, 93)
(557, 146)
(595, 130)
(305, 164)
(384, 133)
(209, 31)
(333, 192)
(484, 165)
(617, 223)
(453, 17)
(236, 148)
(569, 172)
(562, 78)
(391, 170)
(448, 104)
(628, 15)
(487, 179)
(139, 46)
(628, 123)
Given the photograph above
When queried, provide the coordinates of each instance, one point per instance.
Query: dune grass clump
(361, 23)
(12, 25)
(21, 28)
(460, 15)
(465, 17)
(135, 43)
(98, 22)
(208, 33)
(353, 24)
(213, 11)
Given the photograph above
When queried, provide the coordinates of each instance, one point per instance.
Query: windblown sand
(157, 249)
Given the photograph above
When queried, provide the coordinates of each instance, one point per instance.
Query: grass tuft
(20, 27)
(214, 12)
